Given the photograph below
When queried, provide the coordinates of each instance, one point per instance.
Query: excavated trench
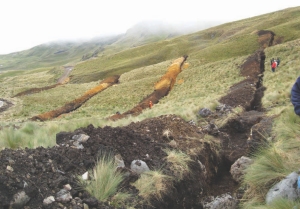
(62, 80)
(162, 88)
(241, 135)
(73, 105)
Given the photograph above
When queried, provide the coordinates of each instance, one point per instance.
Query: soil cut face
(29, 176)
(73, 105)
(162, 88)
(43, 172)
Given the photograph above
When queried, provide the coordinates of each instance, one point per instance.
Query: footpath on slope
(62, 80)
(161, 89)
(73, 105)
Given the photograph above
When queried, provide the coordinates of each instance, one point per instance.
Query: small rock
(286, 188)
(204, 112)
(238, 168)
(85, 206)
(63, 196)
(67, 187)
(19, 200)
(9, 168)
(48, 200)
(85, 176)
(81, 138)
(225, 201)
(139, 166)
(119, 161)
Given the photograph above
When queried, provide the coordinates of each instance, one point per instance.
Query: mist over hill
(68, 52)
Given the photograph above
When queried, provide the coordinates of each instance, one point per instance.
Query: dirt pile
(42, 172)
(161, 89)
(73, 105)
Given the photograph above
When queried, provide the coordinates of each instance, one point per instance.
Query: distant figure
(118, 113)
(274, 65)
(272, 60)
(150, 104)
(295, 96)
(278, 61)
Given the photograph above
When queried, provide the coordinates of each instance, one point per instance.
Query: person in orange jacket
(150, 104)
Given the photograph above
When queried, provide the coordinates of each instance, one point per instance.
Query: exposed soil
(43, 172)
(162, 88)
(62, 80)
(73, 105)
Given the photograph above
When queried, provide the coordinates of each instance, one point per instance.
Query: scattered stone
(225, 201)
(85, 206)
(1, 103)
(81, 138)
(173, 143)
(119, 162)
(85, 176)
(238, 168)
(286, 188)
(9, 168)
(67, 187)
(139, 166)
(19, 200)
(48, 200)
(63, 196)
(223, 108)
(204, 112)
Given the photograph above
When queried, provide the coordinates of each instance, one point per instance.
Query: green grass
(152, 184)
(179, 163)
(215, 57)
(105, 180)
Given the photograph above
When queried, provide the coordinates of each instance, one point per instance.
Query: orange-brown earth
(73, 105)
(161, 89)
(42, 172)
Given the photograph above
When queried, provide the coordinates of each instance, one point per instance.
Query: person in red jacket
(274, 65)
(150, 104)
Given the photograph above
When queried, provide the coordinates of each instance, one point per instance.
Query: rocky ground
(29, 177)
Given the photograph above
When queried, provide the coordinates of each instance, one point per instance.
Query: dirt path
(62, 80)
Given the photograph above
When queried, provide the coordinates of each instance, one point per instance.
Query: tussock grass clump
(105, 180)
(179, 163)
(152, 184)
(275, 161)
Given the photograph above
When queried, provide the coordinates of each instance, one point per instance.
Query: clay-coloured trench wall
(73, 105)
(161, 88)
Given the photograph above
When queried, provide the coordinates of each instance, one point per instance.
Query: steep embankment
(73, 105)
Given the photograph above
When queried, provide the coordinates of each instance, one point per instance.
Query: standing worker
(150, 104)
(273, 66)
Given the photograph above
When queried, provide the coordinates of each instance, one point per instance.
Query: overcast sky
(27, 23)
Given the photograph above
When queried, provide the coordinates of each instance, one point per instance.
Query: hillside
(215, 100)
(59, 53)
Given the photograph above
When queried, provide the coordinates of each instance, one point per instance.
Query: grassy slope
(214, 56)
